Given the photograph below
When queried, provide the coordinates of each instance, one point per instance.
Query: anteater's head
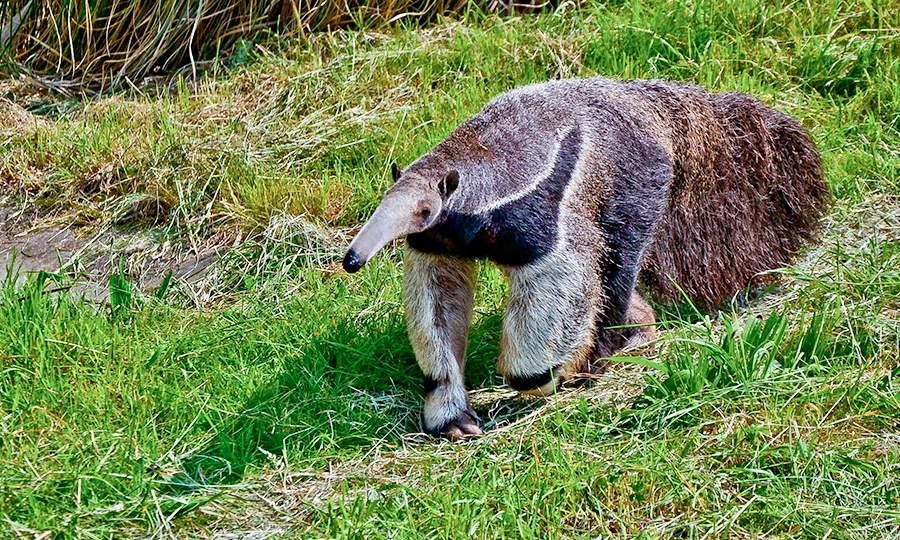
(413, 204)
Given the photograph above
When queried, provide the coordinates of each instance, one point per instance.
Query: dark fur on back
(748, 192)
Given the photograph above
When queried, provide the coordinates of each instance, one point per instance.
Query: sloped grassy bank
(160, 415)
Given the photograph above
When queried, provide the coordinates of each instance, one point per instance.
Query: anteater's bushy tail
(748, 192)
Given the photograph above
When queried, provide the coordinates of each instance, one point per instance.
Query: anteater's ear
(449, 184)
(395, 171)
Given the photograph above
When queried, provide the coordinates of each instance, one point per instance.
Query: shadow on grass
(354, 382)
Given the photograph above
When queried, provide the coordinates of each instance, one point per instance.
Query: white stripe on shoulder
(538, 179)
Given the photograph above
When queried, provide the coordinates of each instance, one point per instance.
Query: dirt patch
(90, 255)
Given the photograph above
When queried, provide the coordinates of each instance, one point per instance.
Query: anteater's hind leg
(634, 328)
(438, 294)
(641, 319)
(624, 319)
(548, 327)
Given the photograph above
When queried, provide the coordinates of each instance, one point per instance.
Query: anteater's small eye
(425, 212)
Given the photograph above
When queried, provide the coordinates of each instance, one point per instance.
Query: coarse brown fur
(748, 192)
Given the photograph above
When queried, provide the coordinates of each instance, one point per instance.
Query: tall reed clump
(98, 44)
(94, 45)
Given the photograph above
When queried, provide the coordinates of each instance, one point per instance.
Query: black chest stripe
(514, 234)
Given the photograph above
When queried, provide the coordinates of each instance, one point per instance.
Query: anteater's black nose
(351, 261)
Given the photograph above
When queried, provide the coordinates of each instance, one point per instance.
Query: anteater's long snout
(352, 262)
(390, 221)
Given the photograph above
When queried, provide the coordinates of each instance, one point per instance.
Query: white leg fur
(549, 321)
(438, 294)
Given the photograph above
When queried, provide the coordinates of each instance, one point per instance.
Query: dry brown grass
(72, 47)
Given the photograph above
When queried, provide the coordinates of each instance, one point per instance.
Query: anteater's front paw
(463, 426)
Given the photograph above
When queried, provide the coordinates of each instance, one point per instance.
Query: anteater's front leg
(438, 293)
(548, 327)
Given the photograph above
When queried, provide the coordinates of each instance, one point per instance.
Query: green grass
(284, 401)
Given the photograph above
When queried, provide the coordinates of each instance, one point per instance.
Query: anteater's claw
(464, 426)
